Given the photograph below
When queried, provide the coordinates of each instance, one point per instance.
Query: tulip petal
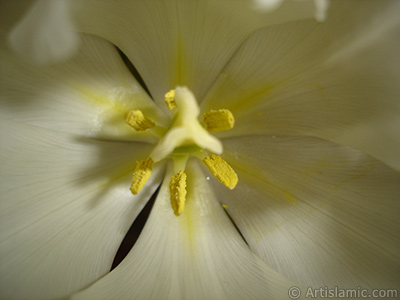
(337, 80)
(320, 213)
(65, 208)
(198, 255)
(88, 95)
(321, 7)
(46, 34)
(180, 42)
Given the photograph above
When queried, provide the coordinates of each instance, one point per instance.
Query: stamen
(180, 162)
(221, 170)
(177, 190)
(141, 175)
(170, 99)
(217, 120)
(139, 121)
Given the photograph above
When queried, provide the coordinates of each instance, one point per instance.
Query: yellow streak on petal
(170, 99)
(141, 175)
(138, 121)
(218, 120)
(177, 190)
(262, 181)
(221, 170)
(241, 99)
(181, 63)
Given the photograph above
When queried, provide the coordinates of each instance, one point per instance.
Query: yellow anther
(177, 190)
(217, 120)
(221, 170)
(170, 99)
(139, 121)
(141, 175)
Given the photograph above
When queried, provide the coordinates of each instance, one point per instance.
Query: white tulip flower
(269, 129)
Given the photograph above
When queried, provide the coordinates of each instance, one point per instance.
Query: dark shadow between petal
(134, 232)
(234, 224)
(133, 71)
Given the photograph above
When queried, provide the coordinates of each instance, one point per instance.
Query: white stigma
(185, 129)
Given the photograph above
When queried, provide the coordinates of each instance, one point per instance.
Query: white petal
(46, 34)
(338, 80)
(198, 255)
(65, 208)
(320, 213)
(180, 42)
(267, 5)
(89, 95)
(321, 7)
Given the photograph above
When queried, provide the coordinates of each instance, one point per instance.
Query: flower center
(184, 137)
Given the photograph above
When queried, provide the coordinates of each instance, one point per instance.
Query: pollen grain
(221, 170)
(170, 99)
(177, 190)
(138, 121)
(218, 120)
(141, 175)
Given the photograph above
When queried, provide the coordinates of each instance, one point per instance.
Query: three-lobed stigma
(184, 137)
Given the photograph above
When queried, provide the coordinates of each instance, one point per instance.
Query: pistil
(185, 129)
